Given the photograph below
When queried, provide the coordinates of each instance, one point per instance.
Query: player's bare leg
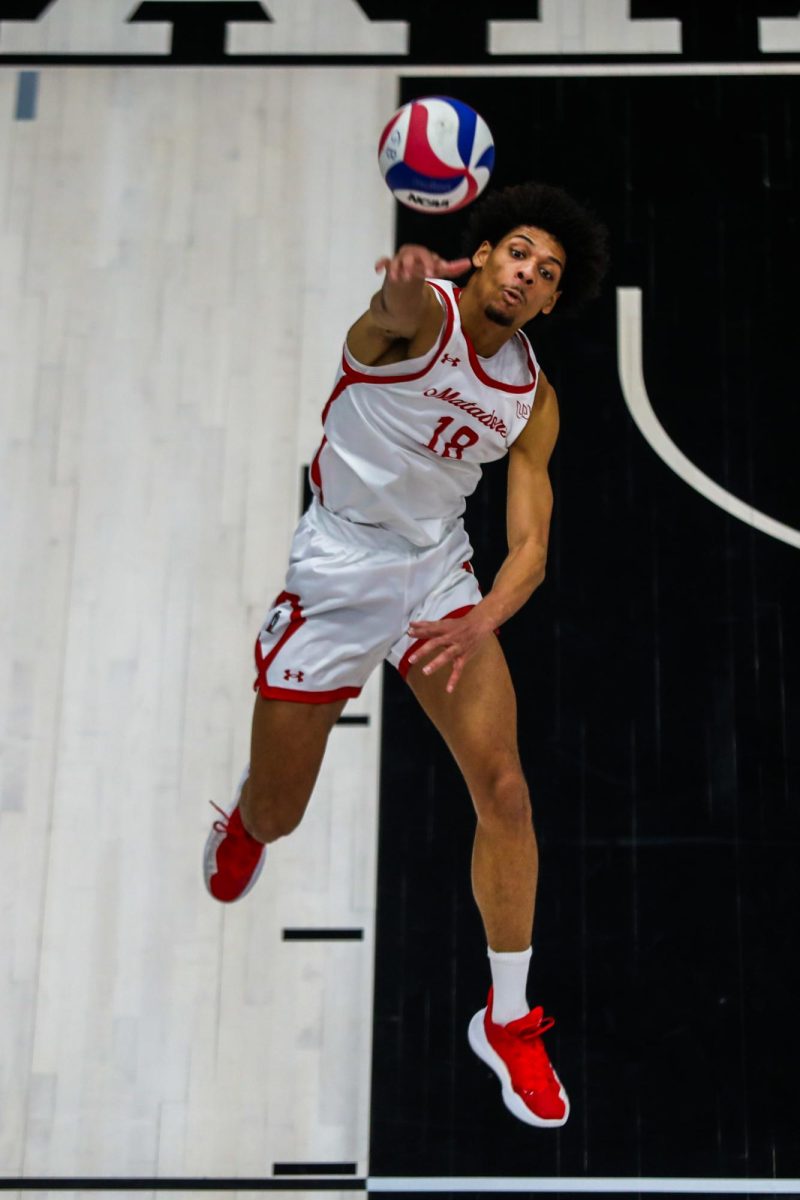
(286, 749)
(287, 746)
(478, 721)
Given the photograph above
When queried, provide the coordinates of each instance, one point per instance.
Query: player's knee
(503, 799)
(269, 827)
(267, 821)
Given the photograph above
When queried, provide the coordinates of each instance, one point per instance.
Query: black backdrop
(657, 675)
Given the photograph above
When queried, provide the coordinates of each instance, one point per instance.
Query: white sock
(509, 981)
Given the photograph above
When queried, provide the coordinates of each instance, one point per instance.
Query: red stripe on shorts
(277, 693)
(296, 620)
(263, 662)
(404, 665)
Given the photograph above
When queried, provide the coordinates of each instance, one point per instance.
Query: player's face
(520, 276)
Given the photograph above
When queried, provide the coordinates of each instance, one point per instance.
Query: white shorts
(351, 592)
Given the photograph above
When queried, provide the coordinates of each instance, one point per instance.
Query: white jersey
(404, 442)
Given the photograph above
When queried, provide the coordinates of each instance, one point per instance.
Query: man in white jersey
(434, 381)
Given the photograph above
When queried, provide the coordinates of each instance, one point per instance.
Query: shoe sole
(513, 1102)
(213, 842)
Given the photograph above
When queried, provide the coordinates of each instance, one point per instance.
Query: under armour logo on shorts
(298, 675)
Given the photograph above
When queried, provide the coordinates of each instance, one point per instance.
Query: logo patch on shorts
(298, 675)
(274, 621)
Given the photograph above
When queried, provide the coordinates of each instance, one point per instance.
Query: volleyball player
(434, 381)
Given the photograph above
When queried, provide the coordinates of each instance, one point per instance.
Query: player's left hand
(455, 639)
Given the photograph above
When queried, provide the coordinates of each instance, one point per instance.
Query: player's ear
(548, 308)
(481, 254)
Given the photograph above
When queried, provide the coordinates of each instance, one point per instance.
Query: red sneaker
(233, 860)
(531, 1089)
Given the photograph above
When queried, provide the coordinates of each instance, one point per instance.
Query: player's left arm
(528, 510)
(529, 507)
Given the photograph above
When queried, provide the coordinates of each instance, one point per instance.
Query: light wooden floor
(180, 254)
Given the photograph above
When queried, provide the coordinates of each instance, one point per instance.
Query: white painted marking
(631, 374)
(769, 1187)
(779, 35)
(85, 27)
(602, 70)
(297, 27)
(317, 27)
(584, 27)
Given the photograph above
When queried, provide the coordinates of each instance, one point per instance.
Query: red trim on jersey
(277, 693)
(337, 391)
(516, 388)
(351, 374)
(475, 363)
(404, 665)
(355, 376)
(316, 473)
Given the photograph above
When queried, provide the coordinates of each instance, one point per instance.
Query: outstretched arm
(404, 309)
(529, 507)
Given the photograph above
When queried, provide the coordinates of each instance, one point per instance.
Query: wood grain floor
(174, 289)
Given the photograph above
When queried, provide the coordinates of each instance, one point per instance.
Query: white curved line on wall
(631, 377)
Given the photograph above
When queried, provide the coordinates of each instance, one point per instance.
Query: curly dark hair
(580, 232)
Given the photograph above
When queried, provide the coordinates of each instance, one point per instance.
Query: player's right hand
(413, 263)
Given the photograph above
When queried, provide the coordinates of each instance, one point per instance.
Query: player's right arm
(404, 316)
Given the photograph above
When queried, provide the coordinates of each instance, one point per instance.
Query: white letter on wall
(317, 27)
(779, 35)
(585, 27)
(85, 27)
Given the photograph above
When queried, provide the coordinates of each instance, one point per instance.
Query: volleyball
(436, 154)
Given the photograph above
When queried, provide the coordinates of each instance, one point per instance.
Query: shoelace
(535, 1073)
(220, 826)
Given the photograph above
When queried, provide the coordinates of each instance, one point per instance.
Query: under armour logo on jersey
(298, 675)
(448, 358)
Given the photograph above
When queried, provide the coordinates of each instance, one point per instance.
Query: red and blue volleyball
(436, 154)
